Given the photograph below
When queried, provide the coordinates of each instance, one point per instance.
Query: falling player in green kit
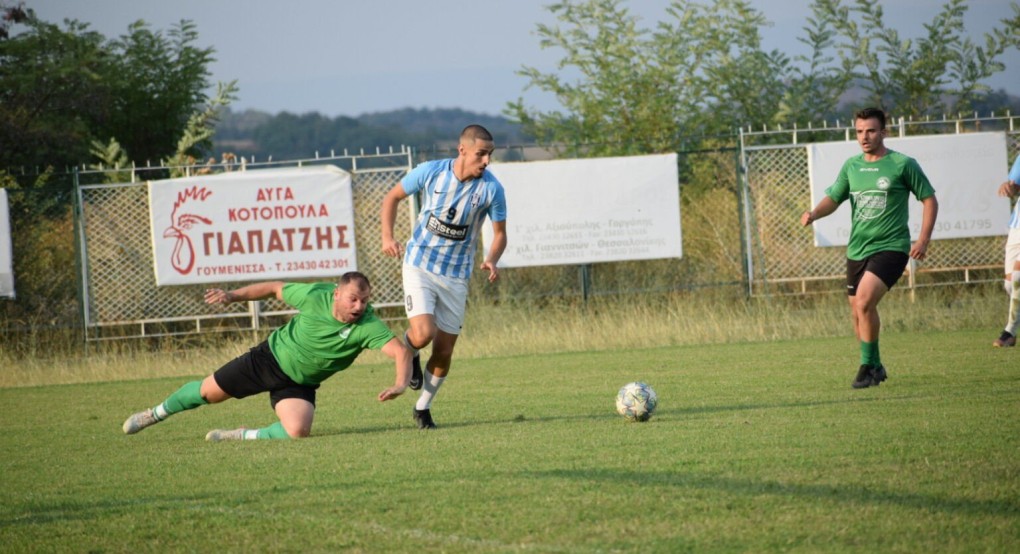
(334, 324)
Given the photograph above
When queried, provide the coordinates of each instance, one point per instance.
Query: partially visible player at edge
(334, 324)
(878, 183)
(1011, 189)
(456, 196)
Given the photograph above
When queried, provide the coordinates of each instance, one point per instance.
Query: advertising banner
(580, 211)
(964, 170)
(6, 250)
(292, 223)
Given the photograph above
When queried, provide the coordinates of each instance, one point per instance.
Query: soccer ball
(636, 401)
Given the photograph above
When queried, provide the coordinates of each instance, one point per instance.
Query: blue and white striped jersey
(452, 212)
(1014, 176)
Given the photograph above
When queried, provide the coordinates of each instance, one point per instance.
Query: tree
(941, 72)
(702, 72)
(52, 90)
(639, 91)
(63, 88)
(157, 86)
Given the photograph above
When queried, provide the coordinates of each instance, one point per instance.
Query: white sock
(1014, 305)
(160, 412)
(251, 434)
(429, 390)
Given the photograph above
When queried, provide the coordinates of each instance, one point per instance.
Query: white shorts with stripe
(442, 297)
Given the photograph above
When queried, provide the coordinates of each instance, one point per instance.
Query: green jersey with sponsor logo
(313, 345)
(879, 192)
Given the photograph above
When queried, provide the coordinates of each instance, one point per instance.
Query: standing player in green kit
(878, 183)
(334, 324)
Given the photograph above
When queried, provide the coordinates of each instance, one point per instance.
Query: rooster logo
(183, 257)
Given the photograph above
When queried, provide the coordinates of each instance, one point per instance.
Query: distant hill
(289, 136)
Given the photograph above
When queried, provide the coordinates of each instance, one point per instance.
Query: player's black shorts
(257, 371)
(887, 266)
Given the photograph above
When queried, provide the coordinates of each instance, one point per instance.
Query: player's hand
(1008, 189)
(391, 393)
(218, 296)
(391, 248)
(919, 250)
(806, 219)
(492, 269)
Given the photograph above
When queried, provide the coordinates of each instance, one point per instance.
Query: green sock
(274, 431)
(869, 354)
(187, 397)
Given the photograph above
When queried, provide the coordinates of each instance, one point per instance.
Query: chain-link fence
(783, 258)
(740, 204)
(120, 295)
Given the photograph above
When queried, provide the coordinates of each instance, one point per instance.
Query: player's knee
(301, 432)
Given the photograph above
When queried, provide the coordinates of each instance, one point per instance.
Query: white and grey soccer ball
(636, 401)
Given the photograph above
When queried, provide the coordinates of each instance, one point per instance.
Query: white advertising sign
(567, 212)
(963, 169)
(292, 223)
(6, 250)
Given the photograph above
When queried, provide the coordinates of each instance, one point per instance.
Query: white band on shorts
(442, 297)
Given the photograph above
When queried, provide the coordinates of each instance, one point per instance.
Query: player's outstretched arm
(388, 216)
(825, 207)
(401, 355)
(495, 250)
(929, 213)
(255, 291)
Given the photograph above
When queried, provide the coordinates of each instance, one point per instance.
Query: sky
(351, 57)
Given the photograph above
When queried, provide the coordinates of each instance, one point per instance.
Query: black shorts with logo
(887, 266)
(257, 371)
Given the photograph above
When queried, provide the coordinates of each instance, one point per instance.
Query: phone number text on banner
(293, 223)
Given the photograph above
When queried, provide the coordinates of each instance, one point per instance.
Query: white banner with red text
(293, 223)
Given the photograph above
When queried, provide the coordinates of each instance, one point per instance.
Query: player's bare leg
(1012, 285)
(420, 333)
(867, 325)
(296, 415)
(190, 396)
(436, 371)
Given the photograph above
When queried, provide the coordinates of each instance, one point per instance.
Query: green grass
(756, 447)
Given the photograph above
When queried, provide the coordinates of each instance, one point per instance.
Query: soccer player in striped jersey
(1011, 189)
(457, 195)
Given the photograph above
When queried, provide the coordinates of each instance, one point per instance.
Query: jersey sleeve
(416, 179)
(839, 191)
(1014, 172)
(376, 333)
(296, 294)
(497, 210)
(916, 180)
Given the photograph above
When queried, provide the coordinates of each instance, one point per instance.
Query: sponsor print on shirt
(870, 204)
(446, 230)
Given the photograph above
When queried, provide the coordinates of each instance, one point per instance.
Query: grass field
(756, 447)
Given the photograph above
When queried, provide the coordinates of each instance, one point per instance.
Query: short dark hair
(357, 278)
(476, 132)
(872, 113)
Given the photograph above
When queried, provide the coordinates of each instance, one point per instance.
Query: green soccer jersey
(879, 192)
(313, 345)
